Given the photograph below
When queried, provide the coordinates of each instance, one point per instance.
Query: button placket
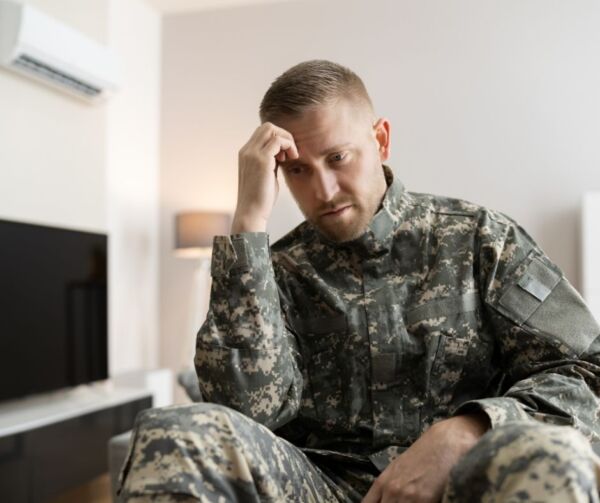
(395, 418)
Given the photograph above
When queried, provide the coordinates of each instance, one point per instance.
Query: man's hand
(421, 472)
(257, 177)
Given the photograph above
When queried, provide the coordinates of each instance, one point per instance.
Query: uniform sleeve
(546, 337)
(246, 359)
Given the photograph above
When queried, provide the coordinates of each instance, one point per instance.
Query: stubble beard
(361, 214)
(341, 232)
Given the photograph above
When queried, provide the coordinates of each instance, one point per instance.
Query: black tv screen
(53, 308)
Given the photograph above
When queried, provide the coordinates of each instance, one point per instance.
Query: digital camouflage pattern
(351, 351)
(210, 453)
(524, 461)
(216, 454)
(441, 307)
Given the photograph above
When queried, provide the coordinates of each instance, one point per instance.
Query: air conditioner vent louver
(49, 51)
(40, 69)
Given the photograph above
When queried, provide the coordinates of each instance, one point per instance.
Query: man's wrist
(466, 429)
(473, 426)
(480, 421)
(247, 224)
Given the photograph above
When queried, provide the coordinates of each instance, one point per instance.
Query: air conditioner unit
(38, 46)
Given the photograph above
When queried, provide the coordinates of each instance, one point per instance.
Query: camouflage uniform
(351, 351)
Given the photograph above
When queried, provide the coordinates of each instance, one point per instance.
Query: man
(366, 354)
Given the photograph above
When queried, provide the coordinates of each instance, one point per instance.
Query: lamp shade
(195, 230)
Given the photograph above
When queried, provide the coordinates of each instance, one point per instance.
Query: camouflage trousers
(210, 453)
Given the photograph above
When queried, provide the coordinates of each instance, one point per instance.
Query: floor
(95, 491)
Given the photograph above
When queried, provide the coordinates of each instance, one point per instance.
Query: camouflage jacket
(439, 308)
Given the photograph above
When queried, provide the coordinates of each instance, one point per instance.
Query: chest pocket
(321, 340)
(447, 327)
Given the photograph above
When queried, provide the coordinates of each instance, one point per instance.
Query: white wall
(66, 163)
(496, 102)
(590, 228)
(132, 187)
(52, 147)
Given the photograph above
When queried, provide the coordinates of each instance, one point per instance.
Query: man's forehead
(320, 122)
(324, 129)
(317, 131)
(320, 138)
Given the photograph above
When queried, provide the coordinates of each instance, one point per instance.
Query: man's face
(338, 180)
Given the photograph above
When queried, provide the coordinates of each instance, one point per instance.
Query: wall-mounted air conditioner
(38, 46)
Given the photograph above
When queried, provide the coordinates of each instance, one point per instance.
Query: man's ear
(381, 131)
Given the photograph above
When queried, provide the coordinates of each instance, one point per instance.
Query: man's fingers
(373, 495)
(268, 130)
(278, 145)
(268, 144)
(292, 152)
(260, 135)
(266, 138)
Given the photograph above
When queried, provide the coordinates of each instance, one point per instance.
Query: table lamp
(195, 230)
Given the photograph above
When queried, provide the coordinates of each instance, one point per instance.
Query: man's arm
(548, 340)
(550, 352)
(245, 357)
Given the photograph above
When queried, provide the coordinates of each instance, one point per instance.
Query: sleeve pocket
(546, 302)
(523, 298)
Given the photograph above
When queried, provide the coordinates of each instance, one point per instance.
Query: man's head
(337, 181)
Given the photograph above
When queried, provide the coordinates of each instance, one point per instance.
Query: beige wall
(66, 163)
(495, 102)
(132, 148)
(52, 148)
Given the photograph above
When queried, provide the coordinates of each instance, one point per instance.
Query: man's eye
(338, 157)
(295, 170)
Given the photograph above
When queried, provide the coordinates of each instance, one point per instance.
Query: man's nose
(325, 184)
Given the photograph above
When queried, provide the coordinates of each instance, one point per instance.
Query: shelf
(36, 411)
(55, 441)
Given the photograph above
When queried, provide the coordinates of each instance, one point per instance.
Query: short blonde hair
(311, 83)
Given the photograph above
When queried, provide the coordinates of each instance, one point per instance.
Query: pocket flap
(320, 325)
(442, 307)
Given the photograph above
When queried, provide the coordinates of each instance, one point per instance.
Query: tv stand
(54, 441)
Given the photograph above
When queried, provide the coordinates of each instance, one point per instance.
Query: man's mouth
(336, 212)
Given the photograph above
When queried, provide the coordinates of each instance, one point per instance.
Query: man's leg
(210, 453)
(527, 461)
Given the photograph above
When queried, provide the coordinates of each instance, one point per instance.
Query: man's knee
(509, 445)
(184, 417)
(531, 449)
(190, 430)
(177, 447)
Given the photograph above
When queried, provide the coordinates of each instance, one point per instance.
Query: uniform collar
(377, 237)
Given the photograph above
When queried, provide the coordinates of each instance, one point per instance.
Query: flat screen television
(53, 308)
